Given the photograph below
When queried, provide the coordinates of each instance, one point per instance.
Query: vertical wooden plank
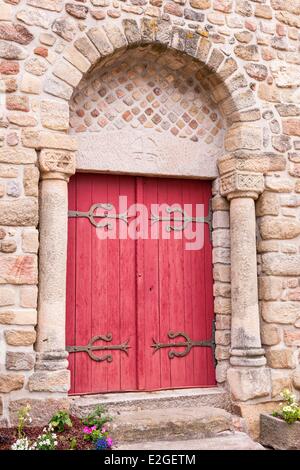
(113, 290)
(176, 286)
(199, 295)
(188, 284)
(71, 280)
(209, 307)
(140, 299)
(151, 293)
(128, 326)
(164, 289)
(98, 269)
(83, 286)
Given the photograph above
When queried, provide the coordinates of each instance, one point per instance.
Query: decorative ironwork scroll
(188, 344)
(92, 215)
(185, 219)
(89, 348)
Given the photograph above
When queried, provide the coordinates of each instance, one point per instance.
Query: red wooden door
(135, 293)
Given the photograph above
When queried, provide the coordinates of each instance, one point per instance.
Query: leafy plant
(23, 419)
(96, 418)
(47, 440)
(61, 420)
(289, 410)
(73, 443)
(95, 429)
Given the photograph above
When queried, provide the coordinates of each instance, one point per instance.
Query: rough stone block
(7, 296)
(270, 287)
(296, 379)
(280, 312)
(55, 115)
(280, 358)
(246, 384)
(20, 337)
(19, 361)
(28, 296)
(21, 212)
(48, 140)
(18, 269)
(280, 264)
(31, 180)
(41, 410)
(243, 137)
(270, 334)
(18, 317)
(279, 435)
(30, 241)
(10, 382)
(267, 204)
(57, 381)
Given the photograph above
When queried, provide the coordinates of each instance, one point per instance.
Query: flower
(89, 430)
(102, 444)
(109, 441)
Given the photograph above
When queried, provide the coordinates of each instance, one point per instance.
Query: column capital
(237, 184)
(57, 164)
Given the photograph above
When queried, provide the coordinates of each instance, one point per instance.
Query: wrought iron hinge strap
(188, 344)
(89, 348)
(92, 215)
(185, 219)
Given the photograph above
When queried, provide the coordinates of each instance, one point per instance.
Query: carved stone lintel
(242, 184)
(57, 164)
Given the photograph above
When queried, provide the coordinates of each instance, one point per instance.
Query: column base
(254, 357)
(246, 383)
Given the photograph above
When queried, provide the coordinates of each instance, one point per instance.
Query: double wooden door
(138, 307)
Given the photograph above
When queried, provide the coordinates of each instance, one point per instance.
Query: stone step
(170, 424)
(134, 401)
(225, 441)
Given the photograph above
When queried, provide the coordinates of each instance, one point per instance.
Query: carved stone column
(56, 167)
(247, 377)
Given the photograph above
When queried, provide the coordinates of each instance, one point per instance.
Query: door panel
(101, 273)
(177, 291)
(137, 290)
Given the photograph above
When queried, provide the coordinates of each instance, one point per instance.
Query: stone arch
(221, 75)
(241, 169)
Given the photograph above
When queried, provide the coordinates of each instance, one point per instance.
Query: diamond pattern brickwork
(146, 90)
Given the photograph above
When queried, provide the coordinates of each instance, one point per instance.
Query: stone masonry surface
(223, 72)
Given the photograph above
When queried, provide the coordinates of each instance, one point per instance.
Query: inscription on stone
(145, 153)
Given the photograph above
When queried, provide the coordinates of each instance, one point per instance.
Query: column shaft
(245, 326)
(52, 265)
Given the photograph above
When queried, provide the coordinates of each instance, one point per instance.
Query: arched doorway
(131, 303)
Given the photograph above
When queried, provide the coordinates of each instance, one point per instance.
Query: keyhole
(151, 289)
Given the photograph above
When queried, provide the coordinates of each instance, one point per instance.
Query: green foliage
(97, 418)
(289, 410)
(61, 420)
(73, 443)
(23, 419)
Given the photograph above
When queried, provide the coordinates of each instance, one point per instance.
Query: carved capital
(57, 164)
(241, 184)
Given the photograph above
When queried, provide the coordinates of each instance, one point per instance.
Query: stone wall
(249, 66)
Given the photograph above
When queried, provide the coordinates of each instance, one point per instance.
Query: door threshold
(131, 401)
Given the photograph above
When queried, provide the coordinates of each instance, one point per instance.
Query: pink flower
(88, 430)
(104, 429)
(109, 441)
